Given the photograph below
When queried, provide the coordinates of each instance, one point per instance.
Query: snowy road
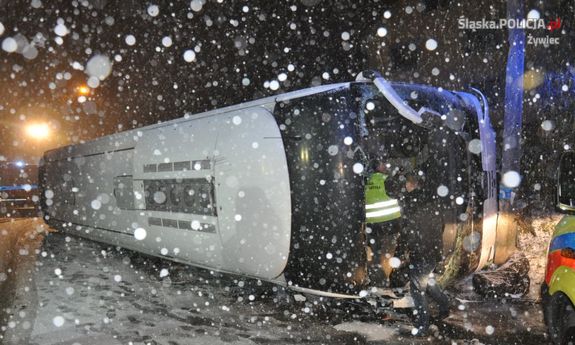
(71, 291)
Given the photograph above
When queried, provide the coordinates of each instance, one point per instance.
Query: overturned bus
(274, 189)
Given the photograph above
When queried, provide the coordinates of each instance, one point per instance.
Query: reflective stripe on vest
(379, 206)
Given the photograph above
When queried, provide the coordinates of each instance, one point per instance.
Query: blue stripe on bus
(20, 187)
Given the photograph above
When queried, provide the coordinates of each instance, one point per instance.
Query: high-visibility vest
(379, 207)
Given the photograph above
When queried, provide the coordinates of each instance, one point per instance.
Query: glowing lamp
(38, 130)
(83, 90)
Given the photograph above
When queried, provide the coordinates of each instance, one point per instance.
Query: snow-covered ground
(83, 292)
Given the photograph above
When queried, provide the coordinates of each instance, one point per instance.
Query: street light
(83, 90)
(38, 131)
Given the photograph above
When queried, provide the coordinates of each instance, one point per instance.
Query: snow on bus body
(268, 189)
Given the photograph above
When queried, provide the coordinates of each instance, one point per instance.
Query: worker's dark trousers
(383, 237)
(423, 236)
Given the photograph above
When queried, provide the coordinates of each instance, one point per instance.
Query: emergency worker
(421, 235)
(382, 214)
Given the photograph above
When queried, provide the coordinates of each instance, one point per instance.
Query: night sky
(238, 47)
(243, 50)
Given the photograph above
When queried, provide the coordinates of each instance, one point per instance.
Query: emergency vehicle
(558, 290)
